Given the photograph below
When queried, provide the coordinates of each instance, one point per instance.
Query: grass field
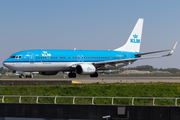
(100, 90)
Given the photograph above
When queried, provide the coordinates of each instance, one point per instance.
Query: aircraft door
(80, 58)
(31, 57)
(128, 55)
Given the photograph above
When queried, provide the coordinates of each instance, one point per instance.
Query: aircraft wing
(151, 52)
(140, 58)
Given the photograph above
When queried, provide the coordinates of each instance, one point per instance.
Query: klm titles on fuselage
(135, 40)
(46, 54)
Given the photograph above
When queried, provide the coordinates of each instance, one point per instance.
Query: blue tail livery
(50, 62)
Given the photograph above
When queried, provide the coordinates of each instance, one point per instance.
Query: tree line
(151, 68)
(4, 70)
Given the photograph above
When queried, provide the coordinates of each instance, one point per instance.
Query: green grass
(99, 90)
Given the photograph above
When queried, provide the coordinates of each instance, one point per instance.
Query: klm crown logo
(135, 40)
(135, 36)
(88, 68)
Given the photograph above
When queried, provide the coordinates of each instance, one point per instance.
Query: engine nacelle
(49, 73)
(85, 69)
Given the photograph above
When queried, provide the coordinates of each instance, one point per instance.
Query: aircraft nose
(5, 64)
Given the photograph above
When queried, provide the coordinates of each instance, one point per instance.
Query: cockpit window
(12, 56)
(17, 57)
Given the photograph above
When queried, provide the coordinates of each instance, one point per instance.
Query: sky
(90, 25)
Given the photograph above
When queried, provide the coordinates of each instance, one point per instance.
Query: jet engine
(85, 69)
(49, 73)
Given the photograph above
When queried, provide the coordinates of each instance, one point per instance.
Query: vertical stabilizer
(134, 41)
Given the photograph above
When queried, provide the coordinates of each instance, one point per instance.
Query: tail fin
(134, 41)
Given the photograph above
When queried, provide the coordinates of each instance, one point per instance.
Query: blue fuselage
(41, 59)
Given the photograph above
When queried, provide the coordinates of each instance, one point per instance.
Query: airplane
(50, 62)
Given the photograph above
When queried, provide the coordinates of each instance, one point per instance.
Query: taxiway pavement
(105, 79)
(127, 79)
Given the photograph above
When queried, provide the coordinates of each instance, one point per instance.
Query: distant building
(135, 72)
(160, 72)
(144, 72)
(10, 73)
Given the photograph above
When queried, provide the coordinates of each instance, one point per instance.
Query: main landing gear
(94, 75)
(26, 76)
(72, 75)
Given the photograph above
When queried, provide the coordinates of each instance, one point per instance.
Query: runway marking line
(76, 82)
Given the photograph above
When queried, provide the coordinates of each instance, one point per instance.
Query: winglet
(172, 50)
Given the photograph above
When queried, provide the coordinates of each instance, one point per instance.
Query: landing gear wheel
(94, 75)
(29, 76)
(21, 76)
(72, 75)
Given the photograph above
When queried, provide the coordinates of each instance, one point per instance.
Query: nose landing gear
(21, 76)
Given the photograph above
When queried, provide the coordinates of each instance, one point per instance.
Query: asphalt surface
(108, 79)
(128, 79)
